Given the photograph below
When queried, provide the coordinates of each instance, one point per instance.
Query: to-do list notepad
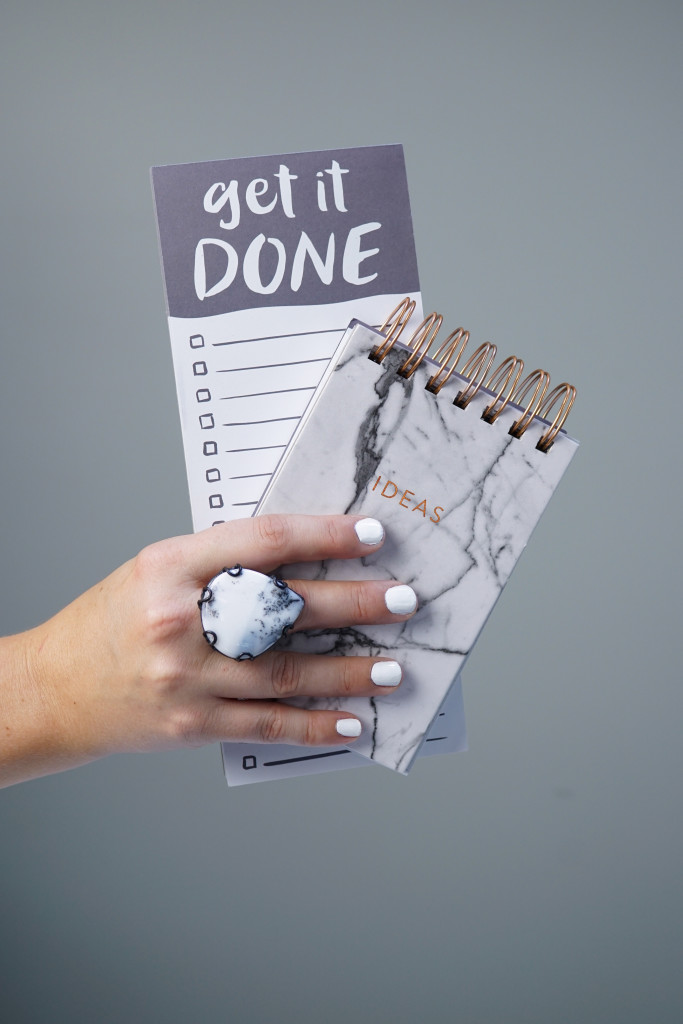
(266, 259)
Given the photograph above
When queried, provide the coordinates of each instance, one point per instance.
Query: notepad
(246, 763)
(265, 261)
(459, 467)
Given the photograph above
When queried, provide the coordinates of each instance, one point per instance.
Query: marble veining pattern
(458, 499)
(244, 612)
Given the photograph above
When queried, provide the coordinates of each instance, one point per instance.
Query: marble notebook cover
(458, 498)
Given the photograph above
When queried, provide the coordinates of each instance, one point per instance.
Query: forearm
(33, 738)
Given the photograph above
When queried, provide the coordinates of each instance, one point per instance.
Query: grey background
(537, 877)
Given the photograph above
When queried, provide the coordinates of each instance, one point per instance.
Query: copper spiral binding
(502, 382)
(507, 376)
(479, 363)
(448, 355)
(393, 326)
(541, 380)
(568, 394)
(420, 344)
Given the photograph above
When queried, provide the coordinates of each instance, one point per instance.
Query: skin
(125, 666)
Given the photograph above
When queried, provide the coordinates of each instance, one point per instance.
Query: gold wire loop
(394, 324)
(541, 380)
(420, 344)
(480, 362)
(448, 356)
(502, 380)
(568, 393)
(507, 376)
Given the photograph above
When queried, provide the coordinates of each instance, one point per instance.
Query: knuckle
(147, 561)
(162, 674)
(272, 725)
(311, 737)
(361, 604)
(160, 614)
(333, 532)
(162, 622)
(285, 674)
(190, 727)
(156, 559)
(272, 532)
(347, 680)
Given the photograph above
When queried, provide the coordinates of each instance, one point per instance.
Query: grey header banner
(295, 229)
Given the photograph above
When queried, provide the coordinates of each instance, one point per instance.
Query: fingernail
(348, 727)
(401, 600)
(386, 673)
(369, 531)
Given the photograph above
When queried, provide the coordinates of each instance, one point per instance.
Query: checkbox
(212, 475)
(197, 341)
(203, 395)
(199, 369)
(207, 422)
(210, 447)
(216, 501)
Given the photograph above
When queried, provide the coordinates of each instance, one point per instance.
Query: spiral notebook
(458, 464)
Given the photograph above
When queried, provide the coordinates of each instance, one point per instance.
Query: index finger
(265, 542)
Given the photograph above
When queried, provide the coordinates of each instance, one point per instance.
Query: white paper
(245, 763)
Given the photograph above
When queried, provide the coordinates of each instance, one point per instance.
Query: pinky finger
(260, 721)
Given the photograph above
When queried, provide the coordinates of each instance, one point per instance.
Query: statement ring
(245, 612)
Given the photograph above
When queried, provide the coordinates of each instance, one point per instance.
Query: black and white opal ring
(244, 612)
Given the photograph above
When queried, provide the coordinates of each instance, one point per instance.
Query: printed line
(249, 476)
(308, 757)
(260, 394)
(277, 337)
(262, 448)
(240, 504)
(434, 739)
(253, 423)
(274, 366)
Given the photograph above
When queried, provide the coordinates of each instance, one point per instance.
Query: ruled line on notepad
(275, 366)
(306, 757)
(277, 337)
(249, 476)
(259, 448)
(254, 423)
(261, 394)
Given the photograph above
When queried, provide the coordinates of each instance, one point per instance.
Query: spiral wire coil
(479, 371)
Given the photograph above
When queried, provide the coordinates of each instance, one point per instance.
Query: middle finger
(334, 604)
(288, 674)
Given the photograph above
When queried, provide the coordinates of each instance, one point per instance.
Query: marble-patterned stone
(458, 498)
(245, 612)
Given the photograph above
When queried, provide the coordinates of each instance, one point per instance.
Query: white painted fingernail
(401, 600)
(369, 531)
(349, 727)
(386, 673)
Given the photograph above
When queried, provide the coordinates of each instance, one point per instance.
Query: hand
(125, 667)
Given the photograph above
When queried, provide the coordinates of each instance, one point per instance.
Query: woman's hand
(125, 667)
